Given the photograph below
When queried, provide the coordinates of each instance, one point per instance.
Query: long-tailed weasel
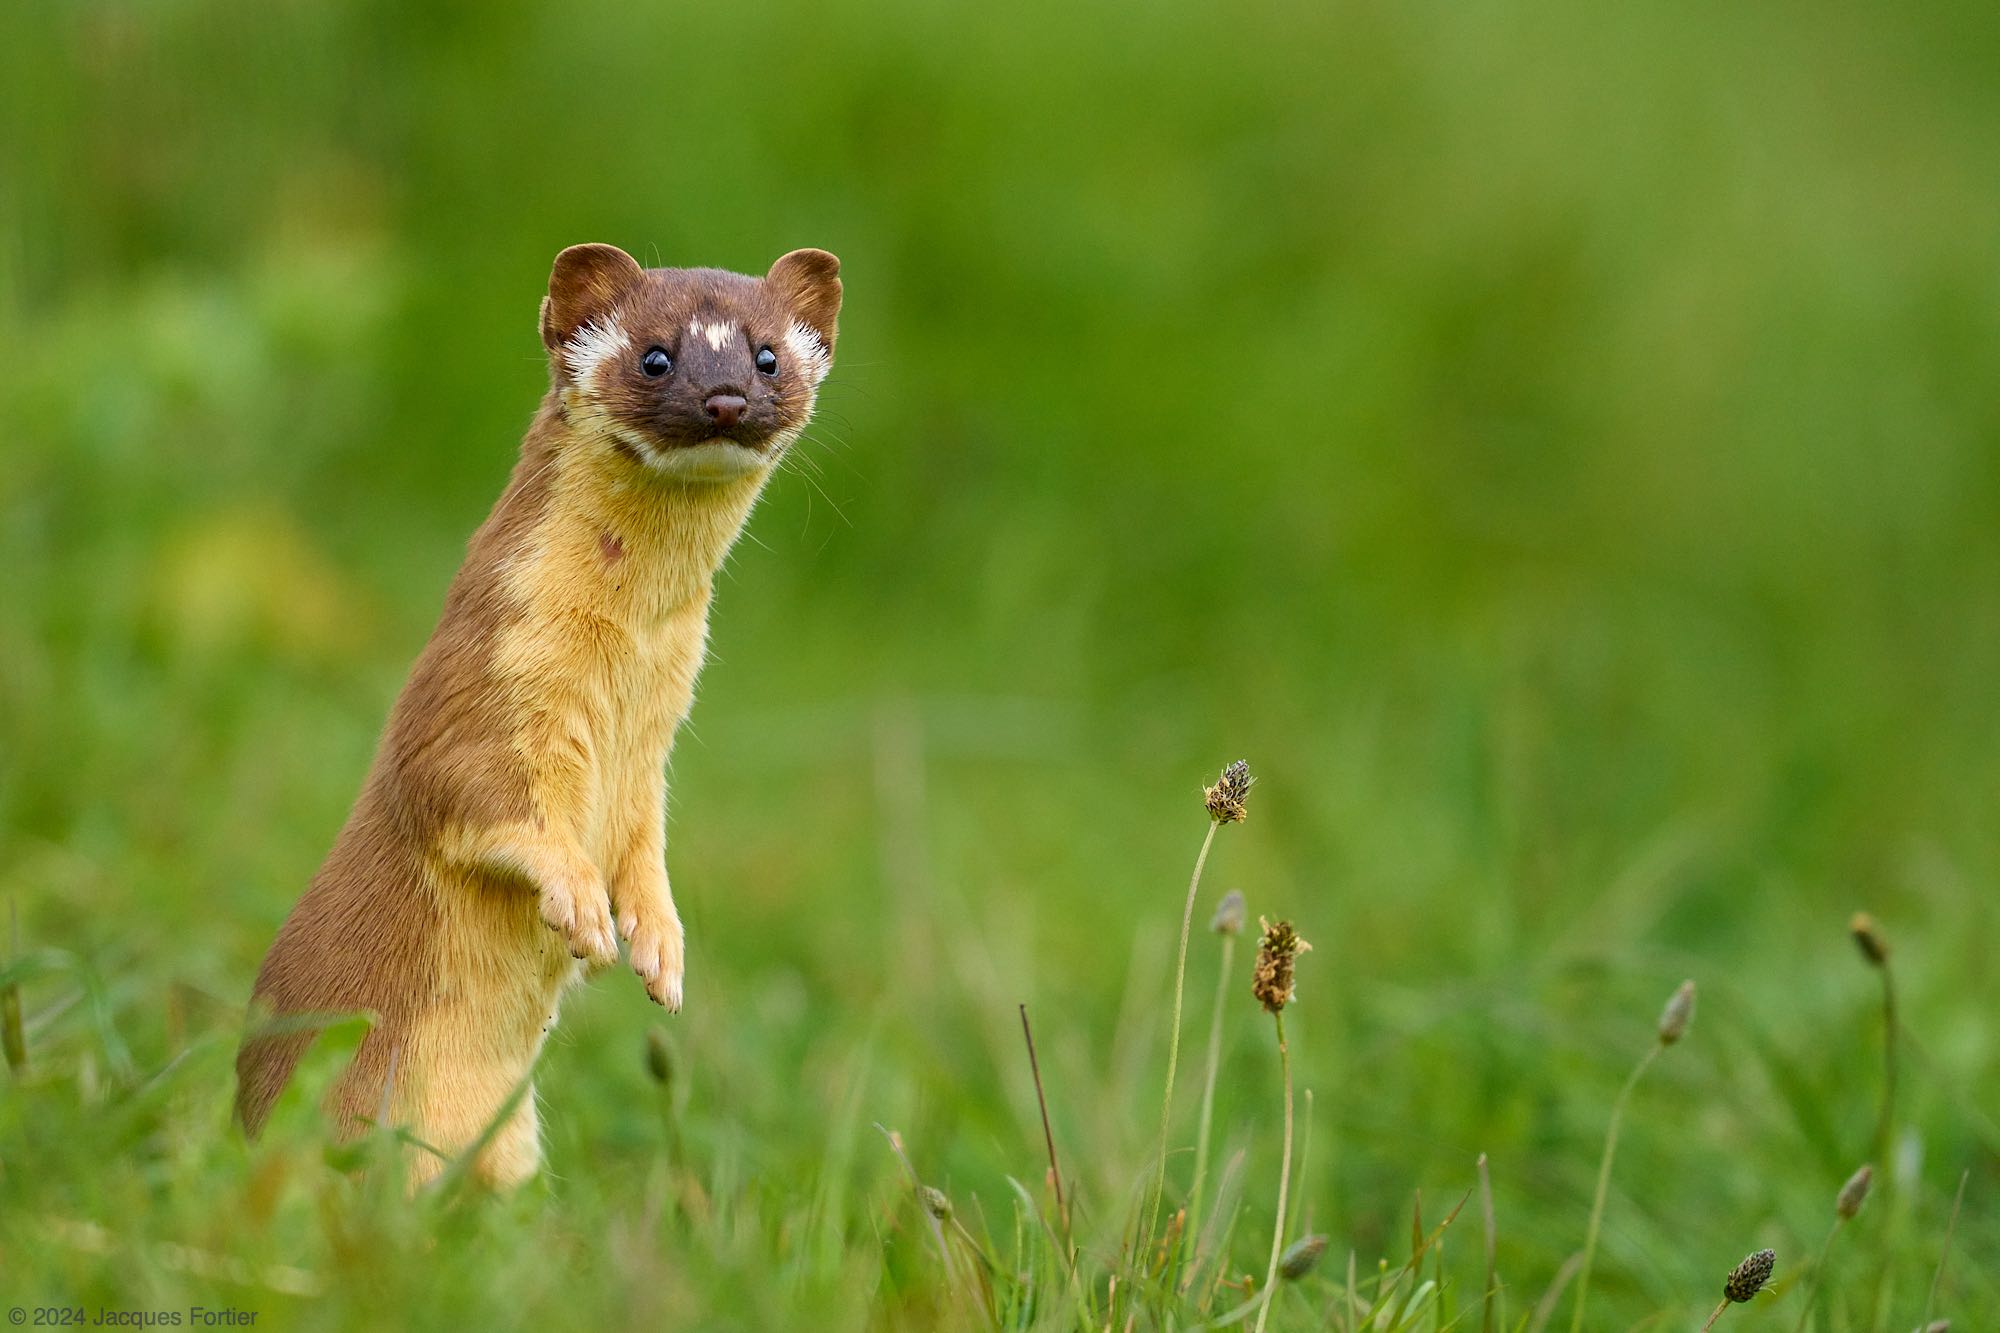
(512, 826)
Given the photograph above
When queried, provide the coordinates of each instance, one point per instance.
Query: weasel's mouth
(646, 447)
(701, 458)
(742, 436)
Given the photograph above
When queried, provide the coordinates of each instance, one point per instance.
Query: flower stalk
(1673, 1025)
(1228, 923)
(1845, 1205)
(1273, 985)
(1226, 803)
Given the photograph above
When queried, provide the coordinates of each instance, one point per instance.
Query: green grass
(1554, 445)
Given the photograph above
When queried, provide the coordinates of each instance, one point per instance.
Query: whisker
(808, 478)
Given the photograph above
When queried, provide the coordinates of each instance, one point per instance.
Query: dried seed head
(1748, 1278)
(659, 1058)
(1228, 918)
(1226, 798)
(1271, 983)
(1853, 1193)
(936, 1202)
(1674, 1019)
(1298, 1260)
(1868, 935)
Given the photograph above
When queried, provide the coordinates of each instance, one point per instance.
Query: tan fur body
(514, 815)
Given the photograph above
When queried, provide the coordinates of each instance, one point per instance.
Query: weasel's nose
(725, 409)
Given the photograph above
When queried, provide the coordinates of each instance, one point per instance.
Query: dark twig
(1048, 1134)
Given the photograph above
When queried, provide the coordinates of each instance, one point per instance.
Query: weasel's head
(691, 372)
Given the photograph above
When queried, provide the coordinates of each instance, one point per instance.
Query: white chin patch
(711, 460)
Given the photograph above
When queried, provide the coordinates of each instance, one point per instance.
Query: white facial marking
(633, 440)
(808, 352)
(592, 347)
(718, 333)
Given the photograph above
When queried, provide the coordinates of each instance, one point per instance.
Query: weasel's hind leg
(453, 1124)
(515, 1154)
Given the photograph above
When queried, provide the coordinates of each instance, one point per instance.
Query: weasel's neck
(598, 533)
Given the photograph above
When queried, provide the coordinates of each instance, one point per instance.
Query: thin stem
(1208, 1090)
(1295, 1225)
(1951, 1228)
(916, 1193)
(1893, 1202)
(13, 1037)
(1717, 1315)
(1604, 1185)
(1812, 1288)
(1174, 1039)
(1048, 1135)
(1885, 1123)
(1486, 1217)
(1284, 1183)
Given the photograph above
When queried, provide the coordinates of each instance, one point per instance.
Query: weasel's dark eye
(656, 362)
(767, 361)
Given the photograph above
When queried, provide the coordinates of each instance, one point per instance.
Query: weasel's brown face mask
(692, 372)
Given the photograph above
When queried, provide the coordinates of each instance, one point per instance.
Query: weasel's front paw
(659, 953)
(580, 912)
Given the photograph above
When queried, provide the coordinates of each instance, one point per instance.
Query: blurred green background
(1557, 445)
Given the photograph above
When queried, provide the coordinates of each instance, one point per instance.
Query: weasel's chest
(647, 689)
(609, 639)
(649, 680)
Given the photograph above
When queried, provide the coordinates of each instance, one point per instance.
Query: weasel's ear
(583, 284)
(809, 282)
